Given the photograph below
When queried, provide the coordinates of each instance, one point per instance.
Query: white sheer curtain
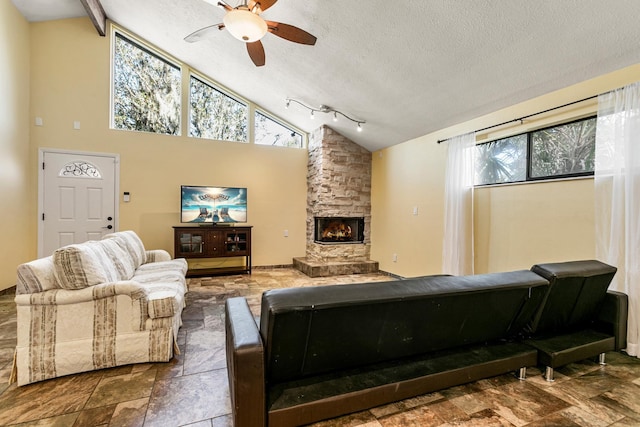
(457, 248)
(617, 196)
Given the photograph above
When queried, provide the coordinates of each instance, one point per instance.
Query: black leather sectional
(579, 318)
(321, 352)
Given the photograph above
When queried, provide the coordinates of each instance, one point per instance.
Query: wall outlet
(286, 233)
(395, 257)
(415, 210)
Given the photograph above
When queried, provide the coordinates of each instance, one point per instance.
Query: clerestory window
(146, 89)
(214, 114)
(271, 132)
(147, 96)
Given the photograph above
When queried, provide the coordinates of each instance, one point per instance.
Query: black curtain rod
(530, 115)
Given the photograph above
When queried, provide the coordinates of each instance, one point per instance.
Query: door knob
(109, 227)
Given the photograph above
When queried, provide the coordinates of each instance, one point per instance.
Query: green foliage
(270, 132)
(146, 90)
(557, 151)
(501, 161)
(215, 115)
(563, 150)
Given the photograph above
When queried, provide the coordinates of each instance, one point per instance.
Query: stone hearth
(338, 186)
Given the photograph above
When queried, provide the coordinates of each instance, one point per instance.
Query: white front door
(78, 198)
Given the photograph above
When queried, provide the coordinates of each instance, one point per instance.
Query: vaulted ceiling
(407, 68)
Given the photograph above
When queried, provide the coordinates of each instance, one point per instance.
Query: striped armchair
(97, 305)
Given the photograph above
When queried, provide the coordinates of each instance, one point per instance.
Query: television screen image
(200, 204)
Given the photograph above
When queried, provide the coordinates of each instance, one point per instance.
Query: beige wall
(71, 82)
(515, 225)
(17, 210)
(408, 176)
(521, 225)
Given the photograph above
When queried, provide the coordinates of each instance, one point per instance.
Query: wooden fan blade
(256, 52)
(291, 33)
(203, 33)
(225, 6)
(262, 4)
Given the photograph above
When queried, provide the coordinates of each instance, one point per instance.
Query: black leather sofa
(578, 318)
(321, 352)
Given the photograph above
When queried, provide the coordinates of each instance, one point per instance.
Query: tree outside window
(270, 132)
(501, 161)
(216, 115)
(561, 151)
(564, 150)
(146, 90)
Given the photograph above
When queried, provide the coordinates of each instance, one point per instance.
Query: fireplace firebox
(339, 230)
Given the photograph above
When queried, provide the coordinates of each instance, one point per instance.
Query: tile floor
(192, 390)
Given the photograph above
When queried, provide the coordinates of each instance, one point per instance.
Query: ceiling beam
(96, 13)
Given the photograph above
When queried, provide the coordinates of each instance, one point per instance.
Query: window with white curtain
(559, 151)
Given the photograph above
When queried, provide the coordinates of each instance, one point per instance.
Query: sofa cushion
(120, 258)
(78, 266)
(576, 292)
(130, 241)
(179, 265)
(162, 271)
(36, 276)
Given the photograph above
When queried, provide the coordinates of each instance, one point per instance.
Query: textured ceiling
(407, 68)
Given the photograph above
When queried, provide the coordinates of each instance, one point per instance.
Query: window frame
(283, 123)
(186, 72)
(529, 151)
(116, 32)
(240, 100)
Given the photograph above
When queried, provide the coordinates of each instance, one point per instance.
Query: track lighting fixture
(326, 109)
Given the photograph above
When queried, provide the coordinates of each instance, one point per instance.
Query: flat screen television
(214, 205)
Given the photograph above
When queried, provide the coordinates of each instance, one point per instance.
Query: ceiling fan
(245, 23)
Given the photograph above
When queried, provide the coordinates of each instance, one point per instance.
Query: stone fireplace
(338, 207)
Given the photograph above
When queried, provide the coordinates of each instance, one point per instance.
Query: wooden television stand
(213, 241)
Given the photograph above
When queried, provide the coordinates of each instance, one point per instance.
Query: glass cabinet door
(191, 243)
(235, 243)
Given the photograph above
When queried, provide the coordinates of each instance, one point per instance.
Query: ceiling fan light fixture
(245, 25)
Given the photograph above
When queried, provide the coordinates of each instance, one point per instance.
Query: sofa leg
(548, 374)
(522, 374)
(601, 360)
